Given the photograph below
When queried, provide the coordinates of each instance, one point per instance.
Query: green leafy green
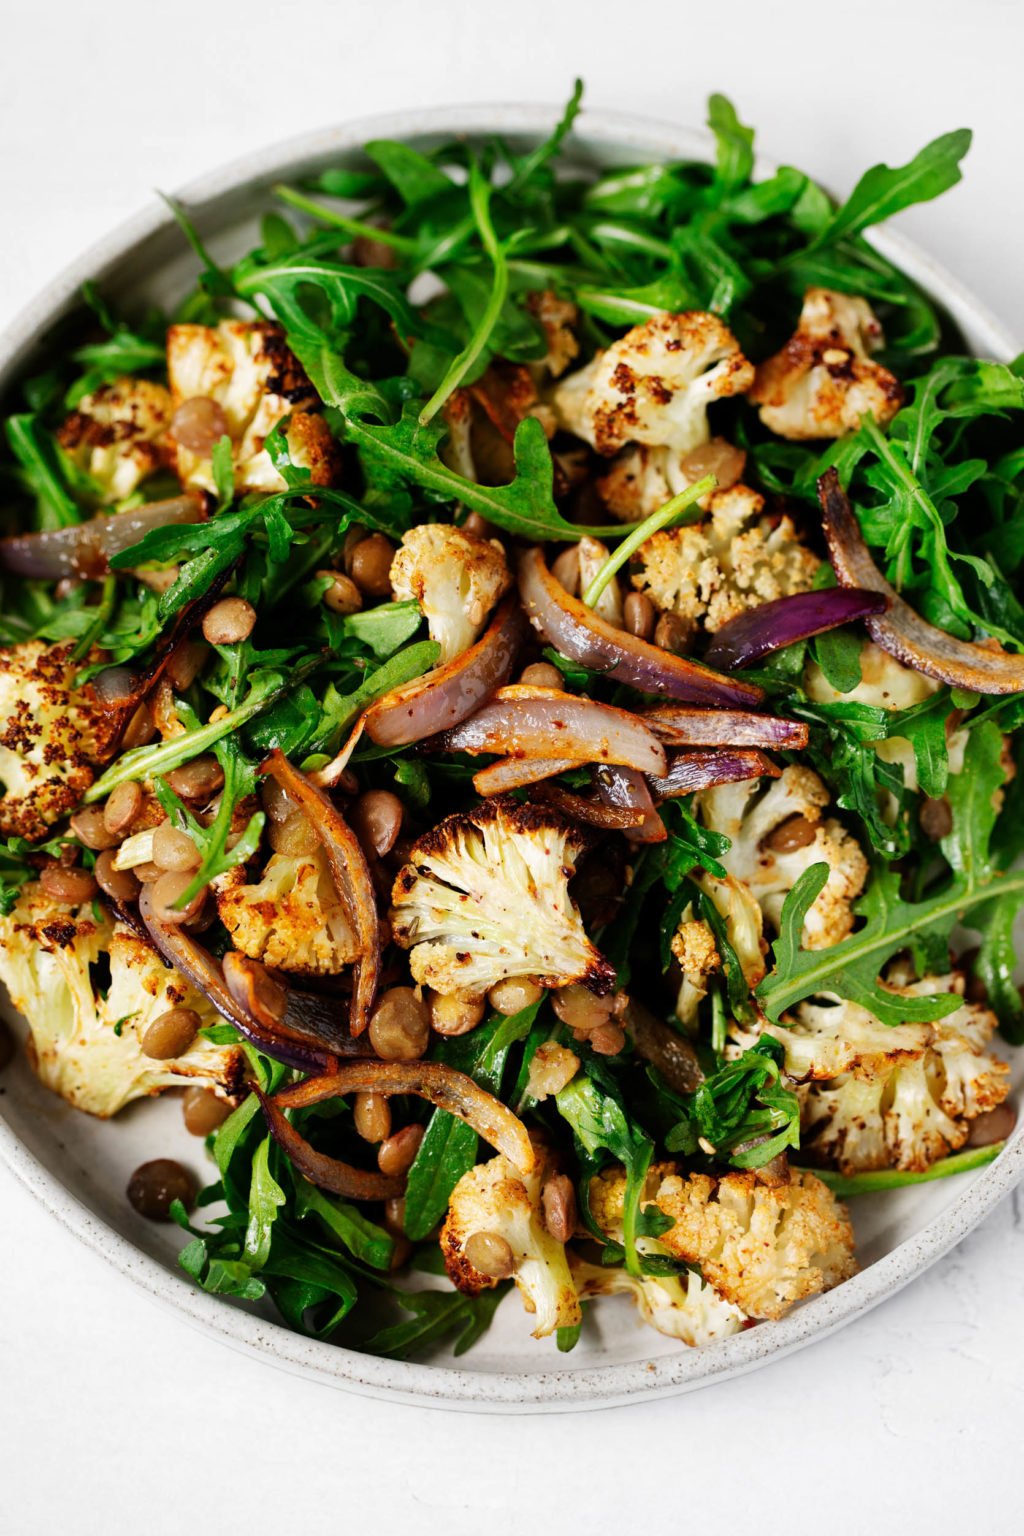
(852, 968)
(881, 1179)
(436, 1315)
(883, 191)
(742, 1113)
(602, 1128)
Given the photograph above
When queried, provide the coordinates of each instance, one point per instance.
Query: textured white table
(113, 1415)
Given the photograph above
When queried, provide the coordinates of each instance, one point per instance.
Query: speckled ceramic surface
(78, 1167)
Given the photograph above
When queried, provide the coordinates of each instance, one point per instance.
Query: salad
(510, 702)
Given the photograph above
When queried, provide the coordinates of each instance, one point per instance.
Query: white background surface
(114, 1416)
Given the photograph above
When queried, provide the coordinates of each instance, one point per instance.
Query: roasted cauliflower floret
(85, 1046)
(456, 577)
(557, 318)
(485, 895)
(494, 1198)
(744, 925)
(682, 1307)
(769, 861)
(291, 917)
(52, 736)
(640, 479)
(735, 559)
(118, 436)
(829, 1036)
(761, 1248)
(823, 381)
(900, 1096)
(654, 385)
(886, 684)
(694, 949)
(249, 370)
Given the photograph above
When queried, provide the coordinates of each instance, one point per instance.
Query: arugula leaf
(594, 1110)
(735, 144)
(527, 168)
(633, 305)
(339, 711)
(743, 1111)
(852, 967)
(365, 1240)
(266, 1197)
(480, 192)
(414, 177)
(44, 470)
(435, 1315)
(155, 760)
(884, 190)
(837, 653)
(847, 1185)
(212, 840)
(406, 452)
(288, 285)
(384, 628)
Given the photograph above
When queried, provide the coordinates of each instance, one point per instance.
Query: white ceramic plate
(78, 1167)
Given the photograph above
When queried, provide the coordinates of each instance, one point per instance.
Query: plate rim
(592, 1386)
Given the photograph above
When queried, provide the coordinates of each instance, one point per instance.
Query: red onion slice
(351, 875)
(326, 1172)
(439, 1084)
(448, 695)
(900, 631)
(626, 788)
(770, 626)
(85, 548)
(532, 722)
(510, 773)
(690, 771)
(679, 726)
(578, 633)
(297, 1049)
(589, 810)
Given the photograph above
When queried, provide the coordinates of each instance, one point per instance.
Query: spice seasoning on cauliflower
(248, 370)
(694, 949)
(53, 736)
(654, 385)
(485, 895)
(291, 917)
(735, 559)
(456, 577)
(778, 832)
(85, 1045)
(496, 1200)
(823, 382)
(761, 1248)
(118, 436)
(900, 1096)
